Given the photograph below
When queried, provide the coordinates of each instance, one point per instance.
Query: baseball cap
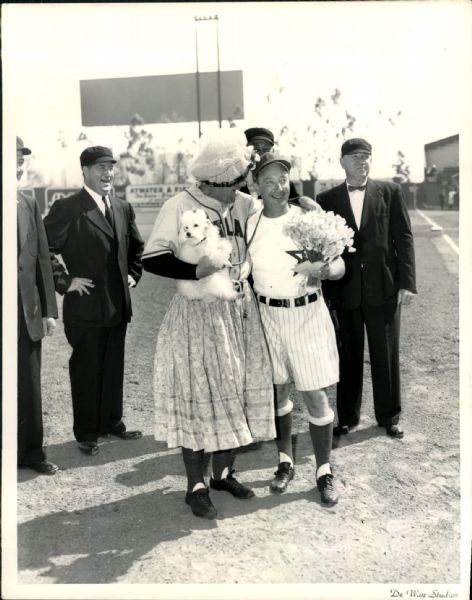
(96, 154)
(269, 158)
(354, 145)
(20, 147)
(259, 133)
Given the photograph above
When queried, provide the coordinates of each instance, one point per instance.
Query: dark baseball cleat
(283, 476)
(200, 503)
(233, 486)
(329, 496)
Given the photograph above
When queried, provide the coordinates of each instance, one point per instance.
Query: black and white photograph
(236, 335)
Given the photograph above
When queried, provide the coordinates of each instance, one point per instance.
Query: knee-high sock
(321, 432)
(283, 425)
(222, 463)
(193, 462)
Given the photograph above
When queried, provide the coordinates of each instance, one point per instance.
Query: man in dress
(212, 373)
(96, 235)
(37, 310)
(379, 279)
(297, 324)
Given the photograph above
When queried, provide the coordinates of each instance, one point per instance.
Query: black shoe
(43, 467)
(340, 430)
(325, 485)
(231, 484)
(88, 447)
(200, 503)
(394, 431)
(283, 476)
(125, 435)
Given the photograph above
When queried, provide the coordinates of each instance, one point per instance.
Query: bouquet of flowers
(321, 235)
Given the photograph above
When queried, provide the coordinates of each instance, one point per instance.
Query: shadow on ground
(100, 544)
(68, 456)
(358, 436)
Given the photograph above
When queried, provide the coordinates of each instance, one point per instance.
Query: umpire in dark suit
(37, 311)
(100, 245)
(379, 279)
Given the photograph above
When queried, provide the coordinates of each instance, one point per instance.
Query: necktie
(108, 215)
(353, 188)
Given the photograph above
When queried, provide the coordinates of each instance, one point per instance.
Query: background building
(441, 175)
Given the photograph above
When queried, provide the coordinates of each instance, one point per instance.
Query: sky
(386, 58)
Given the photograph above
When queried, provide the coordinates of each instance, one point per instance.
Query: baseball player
(212, 378)
(298, 327)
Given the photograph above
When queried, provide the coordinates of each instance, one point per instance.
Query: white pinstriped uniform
(301, 339)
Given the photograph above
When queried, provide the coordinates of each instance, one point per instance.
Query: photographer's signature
(412, 593)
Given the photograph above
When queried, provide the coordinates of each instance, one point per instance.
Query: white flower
(320, 231)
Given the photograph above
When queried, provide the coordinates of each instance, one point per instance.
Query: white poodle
(197, 238)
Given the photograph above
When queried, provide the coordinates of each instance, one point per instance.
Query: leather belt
(288, 302)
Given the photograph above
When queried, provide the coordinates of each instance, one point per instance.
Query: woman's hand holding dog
(206, 267)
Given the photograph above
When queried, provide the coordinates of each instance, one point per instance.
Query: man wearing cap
(379, 279)
(37, 311)
(297, 324)
(96, 235)
(263, 141)
(212, 373)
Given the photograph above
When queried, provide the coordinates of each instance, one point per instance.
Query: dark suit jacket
(385, 260)
(35, 279)
(78, 231)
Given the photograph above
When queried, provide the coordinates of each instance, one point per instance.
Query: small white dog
(197, 238)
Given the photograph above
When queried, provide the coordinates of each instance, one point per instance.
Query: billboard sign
(152, 195)
(55, 193)
(161, 98)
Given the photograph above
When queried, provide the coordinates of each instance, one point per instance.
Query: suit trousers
(382, 324)
(96, 368)
(30, 415)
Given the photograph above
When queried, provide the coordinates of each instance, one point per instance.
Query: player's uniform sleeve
(165, 231)
(159, 255)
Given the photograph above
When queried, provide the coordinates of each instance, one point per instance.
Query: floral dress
(212, 371)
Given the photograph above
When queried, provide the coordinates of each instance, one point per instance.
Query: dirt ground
(120, 517)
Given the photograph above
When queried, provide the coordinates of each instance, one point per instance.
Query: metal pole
(197, 78)
(218, 71)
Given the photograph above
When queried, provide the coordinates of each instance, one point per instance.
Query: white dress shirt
(98, 199)
(357, 202)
